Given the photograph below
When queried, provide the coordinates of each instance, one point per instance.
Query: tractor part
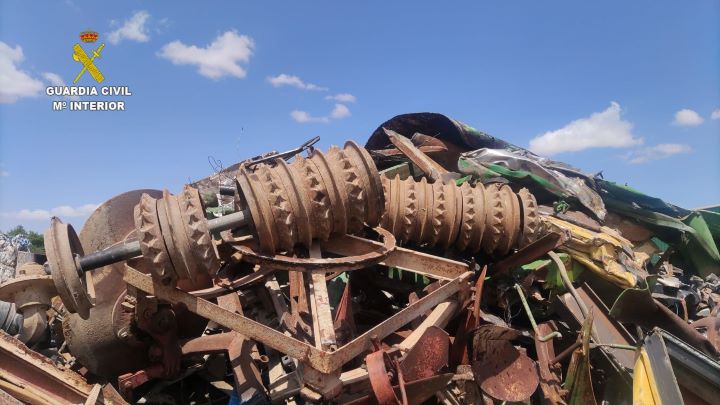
(106, 342)
(283, 205)
(311, 198)
(491, 218)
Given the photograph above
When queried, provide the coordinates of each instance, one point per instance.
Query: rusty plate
(502, 371)
(429, 355)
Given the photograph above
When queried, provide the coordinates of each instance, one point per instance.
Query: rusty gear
(174, 236)
(466, 217)
(201, 242)
(311, 198)
(151, 240)
(511, 220)
(530, 217)
(494, 216)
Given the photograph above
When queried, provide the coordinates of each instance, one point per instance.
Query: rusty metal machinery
(490, 218)
(293, 211)
(283, 205)
(311, 198)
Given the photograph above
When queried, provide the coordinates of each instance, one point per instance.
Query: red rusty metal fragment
(428, 356)
(502, 371)
(530, 252)
(380, 380)
(459, 349)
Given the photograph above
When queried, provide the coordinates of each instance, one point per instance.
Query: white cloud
(133, 29)
(218, 59)
(63, 211)
(715, 114)
(342, 97)
(4, 173)
(605, 129)
(15, 83)
(304, 117)
(687, 118)
(293, 81)
(339, 112)
(55, 80)
(660, 151)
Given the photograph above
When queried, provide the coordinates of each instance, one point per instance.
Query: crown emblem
(89, 36)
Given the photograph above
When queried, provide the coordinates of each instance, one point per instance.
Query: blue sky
(628, 88)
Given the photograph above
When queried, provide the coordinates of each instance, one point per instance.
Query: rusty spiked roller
(493, 218)
(172, 225)
(281, 204)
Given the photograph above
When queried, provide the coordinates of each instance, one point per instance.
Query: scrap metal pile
(436, 265)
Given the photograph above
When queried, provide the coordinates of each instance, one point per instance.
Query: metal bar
(693, 369)
(402, 258)
(325, 332)
(229, 221)
(438, 317)
(130, 249)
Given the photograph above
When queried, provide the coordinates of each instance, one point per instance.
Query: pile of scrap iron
(436, 265)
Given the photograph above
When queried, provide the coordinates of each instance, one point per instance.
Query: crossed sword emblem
(87, 62)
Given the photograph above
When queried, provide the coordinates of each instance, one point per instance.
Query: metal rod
(130, 249)
(229, 221)
(545, 338)
(111, 255)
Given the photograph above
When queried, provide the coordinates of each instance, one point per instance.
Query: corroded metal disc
(152, 245)
(62, 246)
(530, 217)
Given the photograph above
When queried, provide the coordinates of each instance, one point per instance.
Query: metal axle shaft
(130, 249)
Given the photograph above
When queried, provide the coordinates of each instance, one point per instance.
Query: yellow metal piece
(598, 251)
(87, 62)
(645, 390)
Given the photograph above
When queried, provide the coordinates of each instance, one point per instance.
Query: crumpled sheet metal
(521, 164)
(601, 252)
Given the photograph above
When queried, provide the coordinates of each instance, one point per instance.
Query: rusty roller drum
(174, 237)
(311, 198)
(491, 218)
